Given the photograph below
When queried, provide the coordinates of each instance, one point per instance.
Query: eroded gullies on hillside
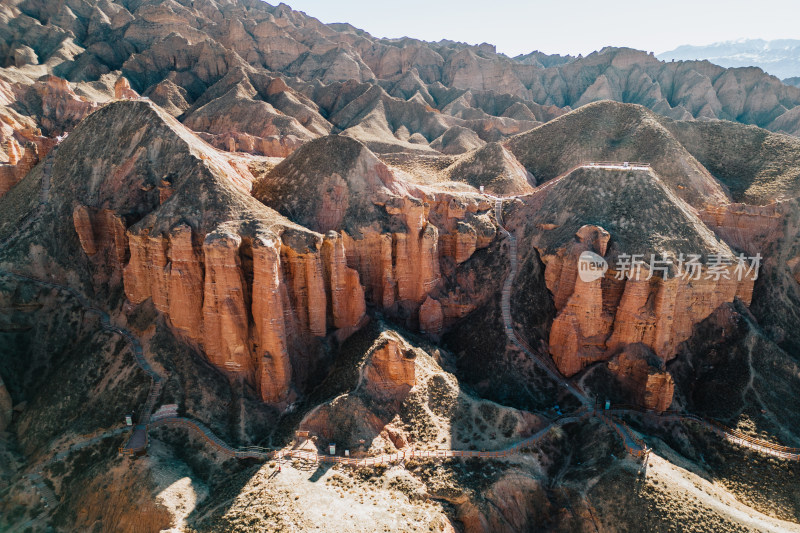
(304, 236)
(394, 404)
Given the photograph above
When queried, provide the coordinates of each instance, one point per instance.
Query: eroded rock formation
(389, 372)
(347, 305)
(398, 240)
(60, 108)
(600, 315)
(101, 230)
(645, 374)
(252, 303)
(747, 227)
(6, 407)
(21, 159)
(431, 317)
(122, 89)
(383, 219)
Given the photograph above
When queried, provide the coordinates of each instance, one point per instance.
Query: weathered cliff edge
(636, 322)
(256, 292)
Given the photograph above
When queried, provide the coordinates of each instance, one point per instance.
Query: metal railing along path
(139, 438)
(732, 435)
(137, 443)
(634, 445)
(253, 452)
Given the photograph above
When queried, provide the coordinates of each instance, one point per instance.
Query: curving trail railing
(139, 439)
(633, 444)
(254, 452)
(607, 165)
(732, 435)
(544, 363)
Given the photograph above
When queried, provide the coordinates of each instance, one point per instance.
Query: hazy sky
(576, 26)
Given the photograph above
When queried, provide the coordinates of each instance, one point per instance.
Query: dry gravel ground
(175, 487)
(304, 497)
(712, 496)
(665, 497)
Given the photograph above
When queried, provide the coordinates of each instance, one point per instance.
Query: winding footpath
(137, 443)
(255, 452)
(731, 435)
(545, 363)
(633, 444)
(136, 348)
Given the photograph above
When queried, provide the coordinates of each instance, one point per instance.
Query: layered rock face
(347, 305)
(22, 144)
(101, 230)
(389, 373)
(274, 370)
(225, 313)
(597, 318)
(416, 257)
(236, 118)
(600, 313)
(608, 313)
(645, 374)
(59, 107)
(396, 235)
(254, 304)
(54, 108)
(402, 269)
(264, 79)
(746, 227)
(21, 159)
(255, 292)
(581, 325)
(258, 299)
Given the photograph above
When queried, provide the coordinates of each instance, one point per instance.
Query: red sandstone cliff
(597, 318)
(398, 236)
(389, 373)
(243, 299)
(601, 316)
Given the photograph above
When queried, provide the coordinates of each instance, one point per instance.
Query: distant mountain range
(780, 57)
